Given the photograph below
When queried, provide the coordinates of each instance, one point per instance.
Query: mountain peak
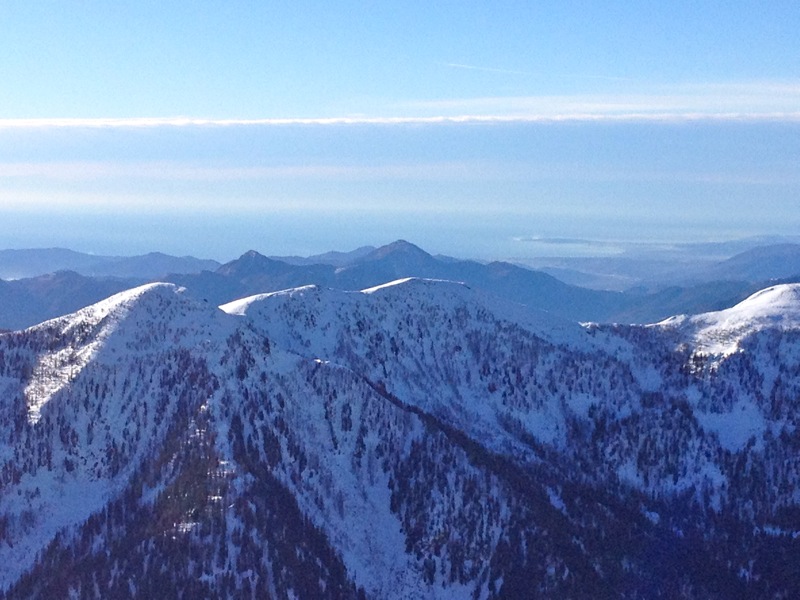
(251, 254)
(776, 307)
(121, 303)
(776, 301)
(82, 335)
(251, 257)
(399, 248)
(248, 263)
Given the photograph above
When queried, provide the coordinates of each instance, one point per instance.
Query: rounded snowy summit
(776, 307)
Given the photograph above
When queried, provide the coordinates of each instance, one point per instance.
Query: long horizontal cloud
(584, 116)
(744, 101)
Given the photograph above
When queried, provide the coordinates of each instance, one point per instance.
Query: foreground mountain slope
(78, 417)
(414, 440)
(416, 336)
(271, 453)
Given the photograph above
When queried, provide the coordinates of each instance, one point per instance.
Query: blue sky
(210, 128)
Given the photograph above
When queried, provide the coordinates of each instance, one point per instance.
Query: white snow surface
(735, 427)
(720, 333)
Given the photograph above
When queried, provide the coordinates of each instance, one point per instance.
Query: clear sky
(468, 127)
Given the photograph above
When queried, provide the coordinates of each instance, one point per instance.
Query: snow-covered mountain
(418, 439)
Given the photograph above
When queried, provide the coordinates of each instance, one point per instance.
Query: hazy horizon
(467, 130)
(541, 251)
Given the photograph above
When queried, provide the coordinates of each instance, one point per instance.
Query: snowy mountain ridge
(418, 291)
(721, 332)
(415, 439)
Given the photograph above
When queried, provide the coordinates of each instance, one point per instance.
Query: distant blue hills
(43, 283)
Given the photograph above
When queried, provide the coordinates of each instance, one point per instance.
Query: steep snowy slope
(78, 416)
(413, 440)
(752, 351)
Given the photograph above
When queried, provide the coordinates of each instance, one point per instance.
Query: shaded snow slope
(149, 313)
(505, 374)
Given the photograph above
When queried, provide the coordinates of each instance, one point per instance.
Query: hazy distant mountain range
(653, 268)
(30, 300)
(18, 264)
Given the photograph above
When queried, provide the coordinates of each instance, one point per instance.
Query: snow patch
(404, 280)
(735, 428)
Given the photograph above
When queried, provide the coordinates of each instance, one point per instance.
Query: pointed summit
(397, 260)
(255, 273)
(248, 264)
(398, 249)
